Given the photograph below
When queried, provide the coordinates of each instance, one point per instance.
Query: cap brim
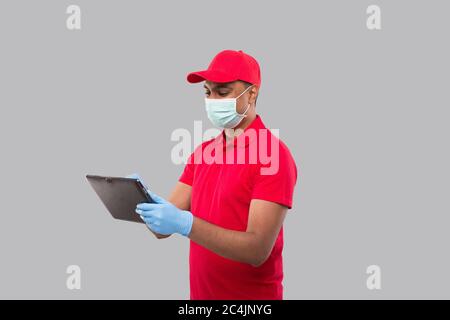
(210, 75)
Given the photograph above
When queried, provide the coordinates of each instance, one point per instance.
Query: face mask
(222, 112)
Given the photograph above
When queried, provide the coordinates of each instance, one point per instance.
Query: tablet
(120, 195)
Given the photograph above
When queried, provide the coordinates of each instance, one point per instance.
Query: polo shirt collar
(256, 125)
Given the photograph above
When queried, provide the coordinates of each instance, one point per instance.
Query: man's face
(222, 90)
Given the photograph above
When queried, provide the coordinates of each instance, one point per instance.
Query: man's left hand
(164, 218)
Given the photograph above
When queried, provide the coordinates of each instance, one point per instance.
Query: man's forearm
(235, 245)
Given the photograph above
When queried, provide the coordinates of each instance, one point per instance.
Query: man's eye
(207, 93)
(223, 94)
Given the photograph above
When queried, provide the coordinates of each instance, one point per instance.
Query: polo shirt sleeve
(187, 176)
(278, 186)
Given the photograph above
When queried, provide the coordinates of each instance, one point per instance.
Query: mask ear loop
(244, 114)
(244, 91)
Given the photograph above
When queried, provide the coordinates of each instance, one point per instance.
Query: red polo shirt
(225, 177)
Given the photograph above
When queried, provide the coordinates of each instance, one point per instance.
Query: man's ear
(254, 91)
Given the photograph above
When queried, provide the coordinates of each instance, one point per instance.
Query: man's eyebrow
(219, 86)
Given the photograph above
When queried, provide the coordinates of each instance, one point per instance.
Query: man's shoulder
(276, 153)
(273, 140)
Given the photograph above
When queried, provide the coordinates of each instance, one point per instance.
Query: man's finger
(148, 219)
(148, 206)
(156, 198)
(153, 226)
(145, 213)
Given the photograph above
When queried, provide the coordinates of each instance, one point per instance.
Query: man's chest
(221, 193)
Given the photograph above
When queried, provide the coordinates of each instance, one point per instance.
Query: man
(232, 211)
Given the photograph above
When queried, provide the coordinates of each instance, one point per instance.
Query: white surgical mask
(222, 112)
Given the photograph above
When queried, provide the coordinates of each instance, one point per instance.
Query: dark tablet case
(120, 195)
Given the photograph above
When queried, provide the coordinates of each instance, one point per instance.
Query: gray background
(365, 114)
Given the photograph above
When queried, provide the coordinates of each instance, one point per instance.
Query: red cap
(227, 66)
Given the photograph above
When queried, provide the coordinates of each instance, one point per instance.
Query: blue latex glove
(164, 218)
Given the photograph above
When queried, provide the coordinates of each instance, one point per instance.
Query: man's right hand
(157, 235)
